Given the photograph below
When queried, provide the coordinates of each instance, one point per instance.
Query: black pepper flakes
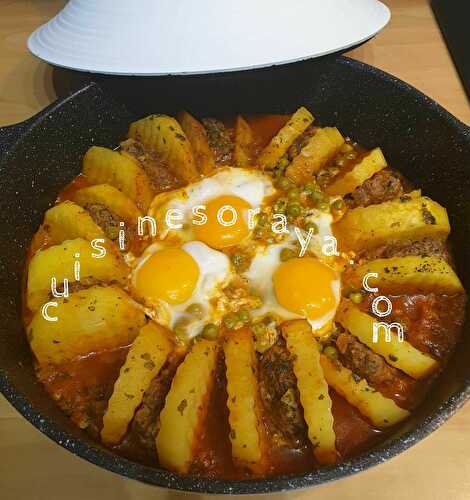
(182, 406)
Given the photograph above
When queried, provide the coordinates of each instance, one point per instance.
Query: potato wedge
(88, 321)
(372, 163)
(381, 411)
(58, 261)
(197, 136)
(321, 147)
(104, 166)
(164, 135)
(406, 219)
(115, 200)
(401, 355)
(67, 221)
(313, 389)
(282, 141)
(146, 357)
(244, 142)
(186, 407)
(412, 273)
(243, 399)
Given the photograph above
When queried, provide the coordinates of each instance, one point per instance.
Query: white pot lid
(160, 37)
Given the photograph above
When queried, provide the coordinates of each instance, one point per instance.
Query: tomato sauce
(83, 386)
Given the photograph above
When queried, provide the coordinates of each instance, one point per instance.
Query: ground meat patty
(105, 218)
(146, 421)
(301, 142)
(427, 246)
(220, 140)
(109, 222)
(161, 178)
(383, 186)
(280, 397)
(365, 363)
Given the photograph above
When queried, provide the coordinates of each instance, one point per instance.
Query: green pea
(282, 163)
(337, 205)
(263, 219)
(244, 316)
(284, 183)
(259, 329)
(330, 352)
(287, 254)
(195, 310)
(180, 330)
(310, 187)
(279, 207)
(312, 226)
(230, 320)
(317, 195)
(293, 195)
(355, 297)
(210, 331)
(293, 210)
(323, 205)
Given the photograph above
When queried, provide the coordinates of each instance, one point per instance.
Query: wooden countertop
(32, 467)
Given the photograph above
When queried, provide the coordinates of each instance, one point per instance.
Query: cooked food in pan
(239, 298)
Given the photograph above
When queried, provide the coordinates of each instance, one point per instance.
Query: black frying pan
(38, 157)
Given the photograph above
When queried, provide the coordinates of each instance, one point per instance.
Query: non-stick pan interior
(419, 138)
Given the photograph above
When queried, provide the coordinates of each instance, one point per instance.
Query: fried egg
(170, 280)
(214, 210)
(301, 287)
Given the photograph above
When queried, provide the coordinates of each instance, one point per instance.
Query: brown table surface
(32, 467)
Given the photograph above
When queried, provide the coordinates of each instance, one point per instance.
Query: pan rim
(162, 478)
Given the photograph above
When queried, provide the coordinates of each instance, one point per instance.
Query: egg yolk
(216, 235)
(170, 274)
(304, 286)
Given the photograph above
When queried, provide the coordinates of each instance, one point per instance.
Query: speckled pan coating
(41, 155)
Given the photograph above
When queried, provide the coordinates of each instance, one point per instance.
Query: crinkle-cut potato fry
(405, 219)
(321, 147)
(108, 195)
(164, 135)
(197, 136)
(58, 261)
(186, 407)
(313, 389)
(372, 163)
(381, 411)
(401, 355)
(282, 141)
(243, 399)
(411, 273)
(105, 166)
(67, 221)
(244, 141)
(89, 320)
(144, 360)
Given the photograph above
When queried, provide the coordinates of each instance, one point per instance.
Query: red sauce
(83, 386)
(67, 193)
(265, 127)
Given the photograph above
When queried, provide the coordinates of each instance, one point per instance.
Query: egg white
(214, 274)
(251, 186)
(268, 259)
